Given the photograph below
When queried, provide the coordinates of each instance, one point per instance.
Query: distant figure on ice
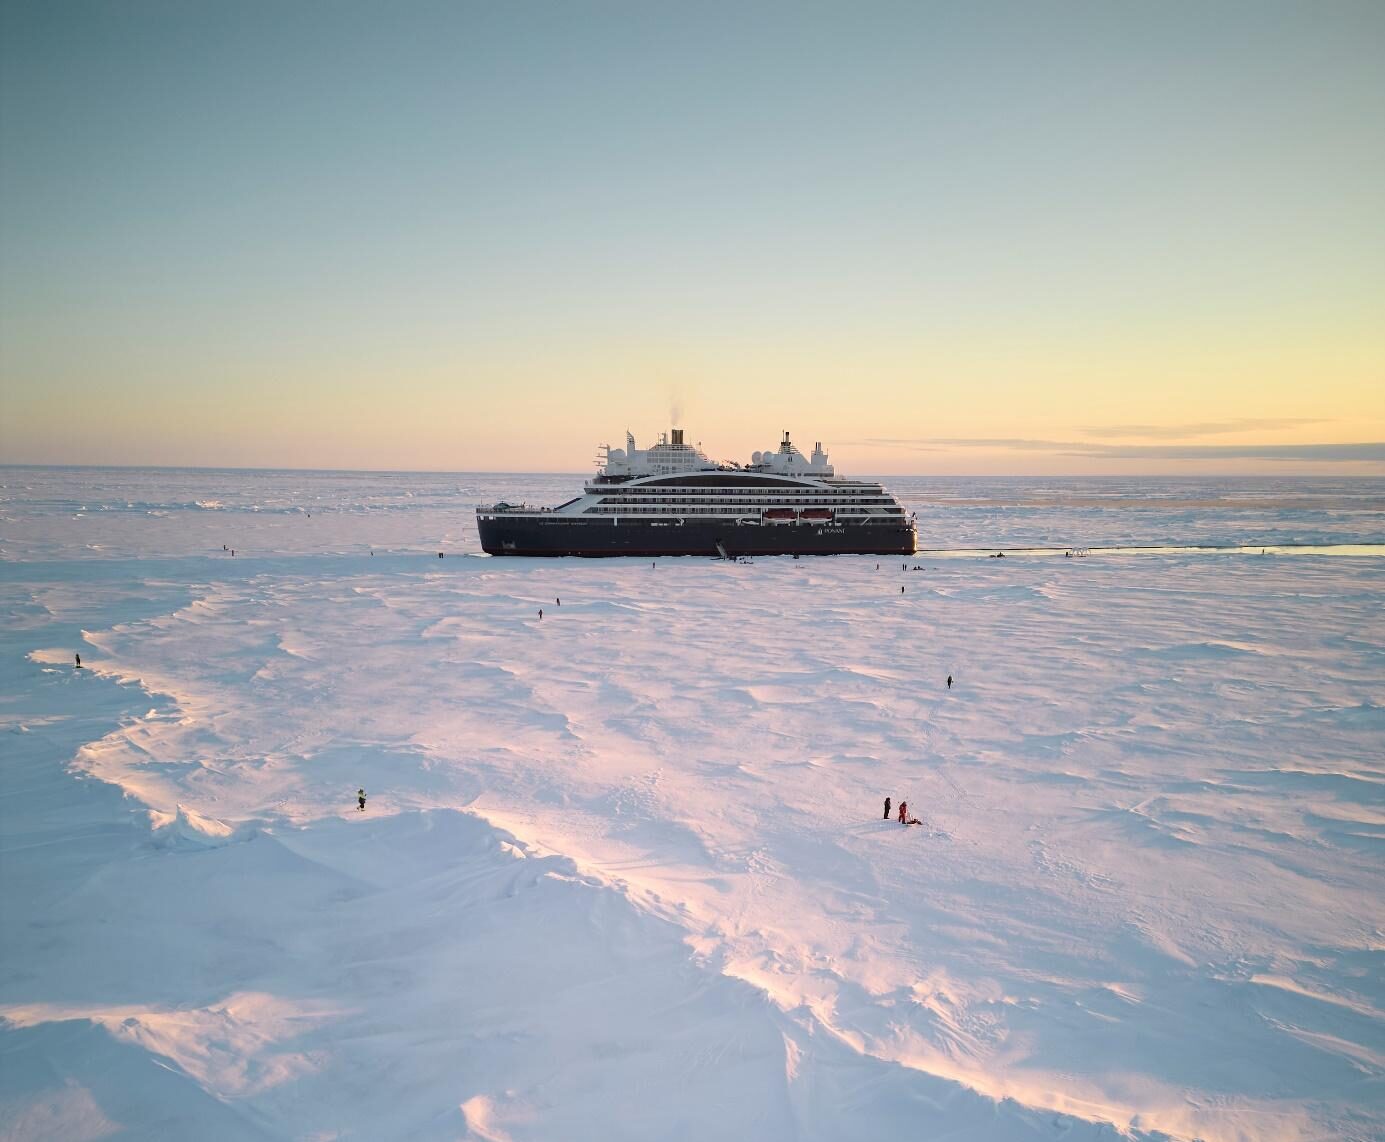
(904, 812)
(949, 681)
(79, 662)
(901, 590)
(540, 614)
(887, 809)
(557, 602)
(439, 554)
(360, 800)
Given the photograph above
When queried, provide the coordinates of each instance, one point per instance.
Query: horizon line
(540, 472)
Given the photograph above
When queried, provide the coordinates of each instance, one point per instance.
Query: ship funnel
(677, 437)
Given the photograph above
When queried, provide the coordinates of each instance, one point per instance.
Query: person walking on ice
(540, 614)
(887, 809)
(949, 681)
(360, 800)
(904, 812)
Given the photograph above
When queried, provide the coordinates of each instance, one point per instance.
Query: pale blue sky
(488, 235)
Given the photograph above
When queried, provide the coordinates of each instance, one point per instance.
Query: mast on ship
(790, 461)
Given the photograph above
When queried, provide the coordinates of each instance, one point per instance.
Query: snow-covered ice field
(623, 872)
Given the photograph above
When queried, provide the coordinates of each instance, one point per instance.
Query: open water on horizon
(56, 513)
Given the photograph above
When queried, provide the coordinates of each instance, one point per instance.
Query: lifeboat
(816, 513)
(782, 514)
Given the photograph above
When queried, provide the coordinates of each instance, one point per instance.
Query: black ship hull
(574, 535)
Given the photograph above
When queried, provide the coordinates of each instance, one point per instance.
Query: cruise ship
(670, 499)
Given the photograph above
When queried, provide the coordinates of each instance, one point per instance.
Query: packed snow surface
(623, 871)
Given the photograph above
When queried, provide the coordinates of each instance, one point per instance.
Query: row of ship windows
(722, 493)
(703, 509)
(756, 501)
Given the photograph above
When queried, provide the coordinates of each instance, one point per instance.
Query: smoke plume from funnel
(675, 411)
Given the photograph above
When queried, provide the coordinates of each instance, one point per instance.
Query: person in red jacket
(904, 812)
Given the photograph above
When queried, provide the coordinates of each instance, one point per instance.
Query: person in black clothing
(949, 681)
(360, 800)
(79, 662)
(887, 809)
